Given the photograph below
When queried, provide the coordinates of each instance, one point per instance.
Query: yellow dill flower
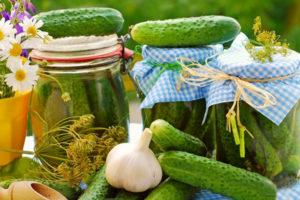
(268, 43)
(84, 122)
(266, 37)
(257, 25)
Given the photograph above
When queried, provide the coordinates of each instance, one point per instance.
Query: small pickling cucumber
(167, 137)
(98, 188)
(216, 176)
(81, 21)
(172, 190)
(194, 31)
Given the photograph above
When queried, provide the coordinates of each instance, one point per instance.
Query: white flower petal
(32, 43)
(14, 63)
(39, 24)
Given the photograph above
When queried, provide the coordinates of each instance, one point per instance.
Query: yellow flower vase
(13, 125)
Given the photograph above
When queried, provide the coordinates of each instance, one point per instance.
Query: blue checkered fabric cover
(288, 193)
(161, 87)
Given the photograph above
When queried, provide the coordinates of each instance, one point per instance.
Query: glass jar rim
(91, 51)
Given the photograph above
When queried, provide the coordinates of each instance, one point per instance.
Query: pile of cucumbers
(187, 170)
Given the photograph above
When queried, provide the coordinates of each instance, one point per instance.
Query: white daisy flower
(35, 37)
(22, 78)
(31, 28)
(12, 52)
(6, 32)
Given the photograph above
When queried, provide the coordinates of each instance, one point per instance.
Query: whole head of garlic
(133, 166)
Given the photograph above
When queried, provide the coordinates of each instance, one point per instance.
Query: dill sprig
(73, 149)
(267, 43)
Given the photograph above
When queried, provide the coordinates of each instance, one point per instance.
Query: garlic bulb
(133, 166)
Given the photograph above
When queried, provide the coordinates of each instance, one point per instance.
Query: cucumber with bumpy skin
(81, 21)
(194, 31)
(216, 176)
(173, 190)
(167, 137)
(98, 189)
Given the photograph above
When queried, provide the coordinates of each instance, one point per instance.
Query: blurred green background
(283, 16)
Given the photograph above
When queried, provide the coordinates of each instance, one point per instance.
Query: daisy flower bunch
(19, 33)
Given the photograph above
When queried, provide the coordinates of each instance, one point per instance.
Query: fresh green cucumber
(124, 195)
(194, 31)
(168, 137)
(172, 190)
(217, 177)
(98, 188)
(266, 159)
(228, 151)
(69, 192)
(81, 21)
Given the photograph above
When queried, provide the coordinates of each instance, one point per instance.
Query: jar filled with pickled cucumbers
(156, 77)
(79, 75)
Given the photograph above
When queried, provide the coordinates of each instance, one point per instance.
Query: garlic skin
(133, 166)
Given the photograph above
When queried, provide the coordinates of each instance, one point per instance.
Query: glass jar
(274, 151)
(90, 73)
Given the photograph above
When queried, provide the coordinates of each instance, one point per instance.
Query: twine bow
(196, 74)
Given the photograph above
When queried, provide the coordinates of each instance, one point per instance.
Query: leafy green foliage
(5, 91)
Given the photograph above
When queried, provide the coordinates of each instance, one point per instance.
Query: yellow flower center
(32, 31)
(1, 35)
(16, 50)
(20, 75)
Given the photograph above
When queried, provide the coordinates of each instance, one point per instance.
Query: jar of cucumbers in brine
(80, 75)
